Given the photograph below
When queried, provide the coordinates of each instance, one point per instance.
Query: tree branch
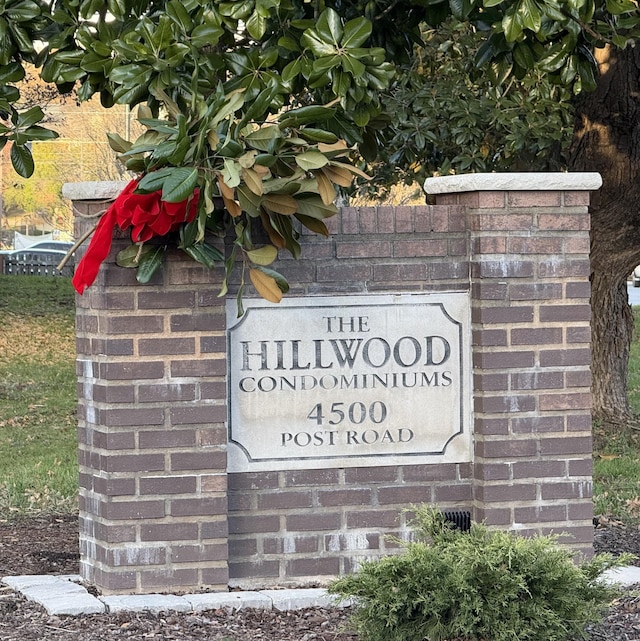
(585, 27)
(390, 8)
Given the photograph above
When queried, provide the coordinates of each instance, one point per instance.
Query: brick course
(152, 409)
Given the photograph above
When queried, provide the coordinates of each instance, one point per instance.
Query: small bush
(483, 585)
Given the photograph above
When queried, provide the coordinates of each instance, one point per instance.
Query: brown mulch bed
(50, 546)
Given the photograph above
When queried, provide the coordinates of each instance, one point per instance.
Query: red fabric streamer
(149, 216)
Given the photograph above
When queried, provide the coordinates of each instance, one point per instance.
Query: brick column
(529, 236)
(152, 411)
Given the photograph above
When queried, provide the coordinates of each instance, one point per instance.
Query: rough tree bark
(607, 140)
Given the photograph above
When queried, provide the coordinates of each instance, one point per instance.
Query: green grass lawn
(616, 474)
(38, 469)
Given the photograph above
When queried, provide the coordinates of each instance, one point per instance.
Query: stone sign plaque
(349, 382)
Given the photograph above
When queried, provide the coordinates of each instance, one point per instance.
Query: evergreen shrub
(482, 585)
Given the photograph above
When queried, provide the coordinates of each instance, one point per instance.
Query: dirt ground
(50, 546)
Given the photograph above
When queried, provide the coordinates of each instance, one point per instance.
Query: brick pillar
(529, 237)
(152, 411)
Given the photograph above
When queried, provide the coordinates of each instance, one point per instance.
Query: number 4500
(357, 413)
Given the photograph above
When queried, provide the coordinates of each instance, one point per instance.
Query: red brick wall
(152, 435)
(531, 355)
(160, 513)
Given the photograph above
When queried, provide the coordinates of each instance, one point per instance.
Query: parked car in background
(635, 277)
(59, 245)
(40, 259)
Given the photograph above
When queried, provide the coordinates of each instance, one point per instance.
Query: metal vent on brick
(459, 519)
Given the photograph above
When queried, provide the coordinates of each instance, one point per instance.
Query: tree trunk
(607, 140)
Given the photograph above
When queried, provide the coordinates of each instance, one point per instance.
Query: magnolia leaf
(205, 254)
(22, 160)
(281, 203)
(231, 206)
(225, 190)
(617, 7)
(264, 137)
(512, 26)
(530, 15)
(321, 65)
(265, 160)
(274, 235)
(249, 201)
(11, 72)
(289, 184)
(228, 197)
(284, 226)
(325, 188)
(320, 47)
(265, 285)
(304, 115)
(313, 134)
(256, 25)
(338, 175)
(128, 257)
(524, 56)
(353, 66)
(313, 224)
(253, 181)
(36, 132)
(263, 255)
(352, 168)
(314, 207)
(154, 180)
(118, 143)
(30, 117)
(235, 101)
(149, 263)
(231, 172)
(144, 113)
(206, 35)
(131, 256)
(239, 300)
(292, 70)
(159, 125)
(356, 32)
(261, 170)
(258, 108)
(179, 184)
(189, 234)
(311, 160)
(336, 148)
(213, 139)
(248, 159)
(329, 25)
(281, 281)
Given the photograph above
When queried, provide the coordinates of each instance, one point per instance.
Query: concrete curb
(64, 595)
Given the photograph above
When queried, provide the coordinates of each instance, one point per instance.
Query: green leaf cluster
(271, 177)
(240, 102)
(268, 107)
(485, 584)
(453, 118)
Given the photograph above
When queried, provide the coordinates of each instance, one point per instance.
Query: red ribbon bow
(149, 216)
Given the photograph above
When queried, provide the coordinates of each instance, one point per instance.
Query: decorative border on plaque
(349, 382)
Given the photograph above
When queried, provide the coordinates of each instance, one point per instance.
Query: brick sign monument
(433, 354)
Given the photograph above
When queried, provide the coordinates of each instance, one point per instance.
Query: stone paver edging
(64, 595)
